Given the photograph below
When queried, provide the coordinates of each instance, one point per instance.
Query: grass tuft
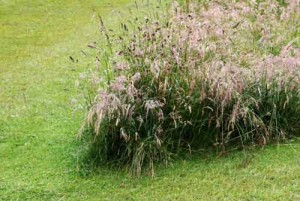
(221, 75)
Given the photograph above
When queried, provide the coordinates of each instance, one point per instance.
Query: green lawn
(38, 128)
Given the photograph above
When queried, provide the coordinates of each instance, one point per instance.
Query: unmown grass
(188, 79)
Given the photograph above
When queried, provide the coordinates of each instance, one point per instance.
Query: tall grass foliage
(218, 74)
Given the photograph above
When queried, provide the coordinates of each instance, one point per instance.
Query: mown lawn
(38, 127)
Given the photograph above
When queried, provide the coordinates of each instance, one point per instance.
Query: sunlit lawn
(38, 127)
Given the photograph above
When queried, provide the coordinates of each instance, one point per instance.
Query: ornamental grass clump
(220, 74)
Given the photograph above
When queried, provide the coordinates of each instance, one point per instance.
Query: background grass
(38, 130)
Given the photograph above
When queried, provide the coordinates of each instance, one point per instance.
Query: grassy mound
(207, 75)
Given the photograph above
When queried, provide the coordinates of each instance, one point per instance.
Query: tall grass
(217, 74)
